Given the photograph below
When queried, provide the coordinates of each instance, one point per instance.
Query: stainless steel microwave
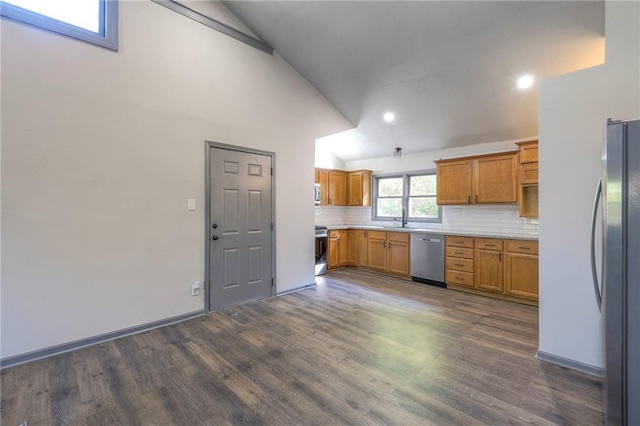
(317, 193)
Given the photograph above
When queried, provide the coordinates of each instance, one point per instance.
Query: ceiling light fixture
(525, 82)
(389, 117)
(397, 152)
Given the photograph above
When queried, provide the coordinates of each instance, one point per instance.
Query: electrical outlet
(195, 288)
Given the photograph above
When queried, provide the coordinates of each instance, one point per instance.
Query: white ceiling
(446, 69)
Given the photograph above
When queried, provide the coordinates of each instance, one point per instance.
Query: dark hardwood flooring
(358, 349)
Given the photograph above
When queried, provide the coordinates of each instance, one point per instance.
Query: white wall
(572, 112)
(425, 160)
(102, 149)
(326, 159)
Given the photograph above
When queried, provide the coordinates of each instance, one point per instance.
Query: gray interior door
(240, 268)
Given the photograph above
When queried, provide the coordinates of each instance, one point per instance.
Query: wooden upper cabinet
(528, 199)
(322, 177)
(337, 188)
(455, 182)
(487, 179)
(496, 179)
(528, 151)
(359, 188)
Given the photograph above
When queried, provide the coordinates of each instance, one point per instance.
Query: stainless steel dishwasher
(427, 258)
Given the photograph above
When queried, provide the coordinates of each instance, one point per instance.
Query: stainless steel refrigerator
(618, 290)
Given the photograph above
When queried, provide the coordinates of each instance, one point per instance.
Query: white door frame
(207, 213)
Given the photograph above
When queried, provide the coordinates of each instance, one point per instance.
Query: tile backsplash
(490, 219)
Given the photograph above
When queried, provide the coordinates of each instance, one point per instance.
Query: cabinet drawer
(400, 237)
(516, 246)
(529, 174)
(460, 252)
(377, 235)
(334, 234)
(459, 278)
(458, 264)
(489, 244)
(466, 242)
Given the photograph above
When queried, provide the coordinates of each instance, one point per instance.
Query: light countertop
(505, 236)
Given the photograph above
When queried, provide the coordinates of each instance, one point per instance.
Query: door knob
(214, 226)
(215, 237)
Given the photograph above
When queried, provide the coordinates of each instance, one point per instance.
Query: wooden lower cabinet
(398, 253)
(352, 259)
(377, 251)
(521, 269)
(362, 251)
(489, 265)
(338, 252)
(459, 261)
(503, 268)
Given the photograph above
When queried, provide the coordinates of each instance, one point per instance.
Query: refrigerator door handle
(594, 272)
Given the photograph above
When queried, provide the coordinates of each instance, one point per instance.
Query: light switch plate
(191, 204)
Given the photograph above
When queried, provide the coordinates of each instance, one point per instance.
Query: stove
(322, 243)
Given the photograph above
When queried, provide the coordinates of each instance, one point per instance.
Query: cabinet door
(489, 270)
(343, 248)
(337, 188)
(521, 271)
(398, 258)
(362, 249)
(323, 180)
(353, 248)
(496, 179)
(333, 255)
(354, 189)
(377, 252)
(455, 180)
(359, 188)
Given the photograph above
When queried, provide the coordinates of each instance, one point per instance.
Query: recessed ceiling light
(389, 117)
(525, 82)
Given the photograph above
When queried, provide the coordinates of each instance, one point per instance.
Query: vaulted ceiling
(446, 69)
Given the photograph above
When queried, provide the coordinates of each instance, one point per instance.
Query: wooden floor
(358, 349)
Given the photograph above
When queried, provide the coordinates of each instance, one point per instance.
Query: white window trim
(108, 36)
(405, 197)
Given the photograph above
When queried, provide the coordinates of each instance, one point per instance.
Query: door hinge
(272, 171)
(271, 282)
(272, 226)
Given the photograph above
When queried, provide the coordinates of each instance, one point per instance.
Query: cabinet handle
(524, 248)
(458, 264)
(490, 245)
(469, 200)
(500, 257)
(476, 198)
(459, 252)
(384, 244)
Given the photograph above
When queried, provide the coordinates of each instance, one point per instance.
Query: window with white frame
(93, 21)
(409, 195)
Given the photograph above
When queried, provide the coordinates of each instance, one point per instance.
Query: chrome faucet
(404, 218)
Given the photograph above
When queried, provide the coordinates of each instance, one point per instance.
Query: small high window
(93, 21)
